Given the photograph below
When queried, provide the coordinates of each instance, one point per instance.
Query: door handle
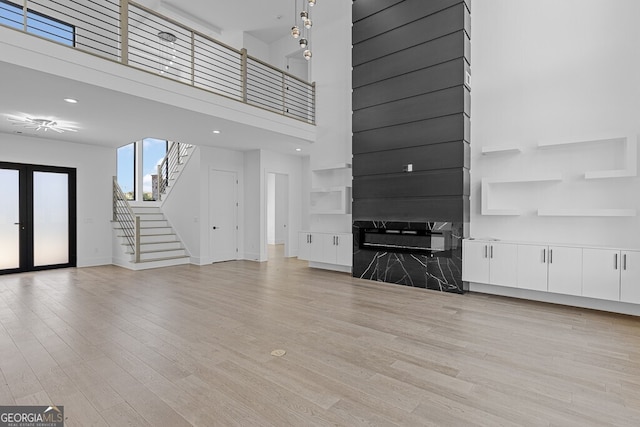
(215, 228)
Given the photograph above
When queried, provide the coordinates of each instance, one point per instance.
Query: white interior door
(223, 215)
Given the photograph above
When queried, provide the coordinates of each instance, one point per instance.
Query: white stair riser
(159, 255)
(163, 246)
(159, 238)
(153, 224)
(155, 231)
(151, 216)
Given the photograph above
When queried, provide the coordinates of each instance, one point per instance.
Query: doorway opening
(277, 215)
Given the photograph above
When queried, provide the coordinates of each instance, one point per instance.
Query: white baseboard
(93, 262)
(553, 298)
(333, 267)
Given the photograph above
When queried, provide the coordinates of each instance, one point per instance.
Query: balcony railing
(134, 35)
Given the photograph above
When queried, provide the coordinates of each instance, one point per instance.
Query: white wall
(254, 219)
(331, 70)
(271, 209)
(550, 70)
(95, 167)
(281, 211)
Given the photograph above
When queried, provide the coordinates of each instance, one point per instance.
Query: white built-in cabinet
(599, 273)
(326, 248)
(611, 274)
(630, 277)
(490, 262)
(565, 270)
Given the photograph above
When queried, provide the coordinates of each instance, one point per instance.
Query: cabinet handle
(310, 238)
(550, 256)
(486, 248)
(615, 261)
(491, 251)
(624, 261)
(337, 240)
(544, 256)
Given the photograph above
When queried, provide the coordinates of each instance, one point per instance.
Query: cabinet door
(475, 261)
(344, 248)
(303, 246)
(630, 277)
(565, 270)
(316, 247)
(601, 274)
(503, 264)
(532, 267)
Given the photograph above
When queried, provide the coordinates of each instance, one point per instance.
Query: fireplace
(420, 254)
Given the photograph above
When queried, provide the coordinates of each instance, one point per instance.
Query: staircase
(159, 244)
(145, 237)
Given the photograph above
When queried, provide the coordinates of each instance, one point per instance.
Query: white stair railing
(168, 167)
(129, 223)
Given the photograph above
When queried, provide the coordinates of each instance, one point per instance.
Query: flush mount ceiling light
(216, 132)
(71, 100)
(41, 124)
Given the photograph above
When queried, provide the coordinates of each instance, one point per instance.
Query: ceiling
(38, 94)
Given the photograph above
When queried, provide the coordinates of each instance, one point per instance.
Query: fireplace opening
(424, 242)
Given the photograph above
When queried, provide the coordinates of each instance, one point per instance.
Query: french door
(37, 217)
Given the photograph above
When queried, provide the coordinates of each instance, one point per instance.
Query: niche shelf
(487, 183)
(331, 190)
(588, 212)
(494, 149)
(630, 155)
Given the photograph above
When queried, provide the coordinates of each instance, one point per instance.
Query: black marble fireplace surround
(420, 254)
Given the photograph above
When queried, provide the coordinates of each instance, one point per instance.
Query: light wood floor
(191, 345)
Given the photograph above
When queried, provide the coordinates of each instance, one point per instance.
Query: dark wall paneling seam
(425, 55)
(454, 127)
(362, 9)
(448, 182)
(392, 18)
(418, 32)
(440, 76)
(435, 104)
(423, 158)
(446, 209)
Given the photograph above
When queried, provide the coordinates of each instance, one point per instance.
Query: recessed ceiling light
(216, 132)
(298, 149)
(71, 100)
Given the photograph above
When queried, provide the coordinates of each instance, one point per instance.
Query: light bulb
(303, 43)
(307, 23)
(304, 15)
(307, 54)
(312, 3)
(295, 32)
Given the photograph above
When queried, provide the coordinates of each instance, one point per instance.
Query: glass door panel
(50, 218)
(9, 219)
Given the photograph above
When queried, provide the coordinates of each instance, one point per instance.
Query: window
(39, 24)
(126, 166)
(153, 152)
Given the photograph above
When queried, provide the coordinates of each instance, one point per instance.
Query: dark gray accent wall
(411, 106)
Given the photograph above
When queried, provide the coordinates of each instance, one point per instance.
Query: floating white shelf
(630, 155)
(488, 150)
(580, 140)
(588, 212)
(486, 191)
(333, 167)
